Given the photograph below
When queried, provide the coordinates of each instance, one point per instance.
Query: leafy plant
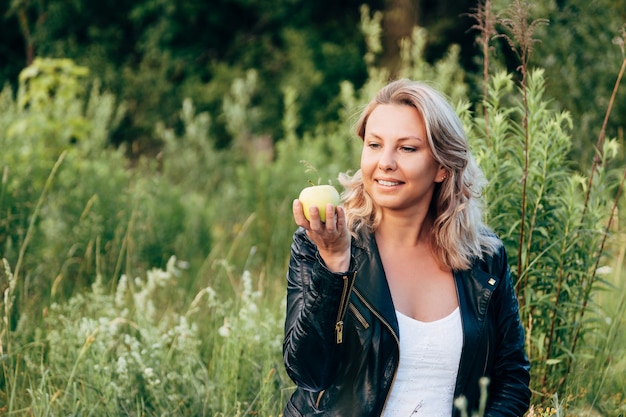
(554, 220)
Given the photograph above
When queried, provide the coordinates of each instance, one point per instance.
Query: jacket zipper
(359, 316)
(393, 333)
(491, 282)
(461, 310)
(486, 359)
(342, 310)
(319, 398)
(462, 325)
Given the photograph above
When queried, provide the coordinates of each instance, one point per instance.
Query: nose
(387, 161)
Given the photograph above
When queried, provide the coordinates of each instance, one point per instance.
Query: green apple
(319, 196)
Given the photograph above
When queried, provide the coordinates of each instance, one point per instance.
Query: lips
(388, 183)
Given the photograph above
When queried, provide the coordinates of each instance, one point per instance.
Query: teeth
(387, 183)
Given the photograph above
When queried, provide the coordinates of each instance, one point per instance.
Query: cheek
(368, 160)
(367, 170)
(364, 162)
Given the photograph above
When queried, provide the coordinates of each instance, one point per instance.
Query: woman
(402, 300)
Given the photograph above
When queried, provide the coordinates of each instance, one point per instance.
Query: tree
(153, 54)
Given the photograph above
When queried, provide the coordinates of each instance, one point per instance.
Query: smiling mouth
(388, 183)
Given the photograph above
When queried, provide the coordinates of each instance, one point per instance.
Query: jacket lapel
(474, 289)
(371, 282)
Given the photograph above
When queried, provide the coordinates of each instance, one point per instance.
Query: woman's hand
(332, 238)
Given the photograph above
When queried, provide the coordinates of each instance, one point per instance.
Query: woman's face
(398, 167)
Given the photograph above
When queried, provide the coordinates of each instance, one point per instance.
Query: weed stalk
(485, 24)
(519, 36)
(33, 219)
(599, 156)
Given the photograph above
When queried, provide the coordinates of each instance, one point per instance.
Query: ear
(442, 174)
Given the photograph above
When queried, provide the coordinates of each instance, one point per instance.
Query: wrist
(336, 263)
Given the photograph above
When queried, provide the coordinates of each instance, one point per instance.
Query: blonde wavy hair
(459, 234)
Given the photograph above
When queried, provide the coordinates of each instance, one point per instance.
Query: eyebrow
(401, 139)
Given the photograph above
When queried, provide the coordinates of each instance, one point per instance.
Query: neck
(404, 231)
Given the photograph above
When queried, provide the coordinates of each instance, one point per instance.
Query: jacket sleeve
(509, 393)
(316, 303)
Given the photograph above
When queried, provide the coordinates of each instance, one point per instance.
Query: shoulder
(494, 259)
(491, 243)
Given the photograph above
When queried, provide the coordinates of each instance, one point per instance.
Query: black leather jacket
(341, 335)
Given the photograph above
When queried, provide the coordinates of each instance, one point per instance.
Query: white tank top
(430, 353)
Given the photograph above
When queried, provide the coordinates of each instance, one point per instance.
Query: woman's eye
(408, 149)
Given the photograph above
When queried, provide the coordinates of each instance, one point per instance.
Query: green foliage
(96, 203)
(556, 258)
(138, 351)
(556, 222)
(582, 58)
(247, 343)
(446, 74)
(154, 54)
(579, 49)
(51, 116)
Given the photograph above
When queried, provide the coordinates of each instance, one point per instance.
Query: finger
(298, 214)
(331, 218)
(315, 222)
(341, 218)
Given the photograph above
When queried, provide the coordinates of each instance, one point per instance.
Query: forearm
(315, 296)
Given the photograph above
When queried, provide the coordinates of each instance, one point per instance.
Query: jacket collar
(474, 286)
